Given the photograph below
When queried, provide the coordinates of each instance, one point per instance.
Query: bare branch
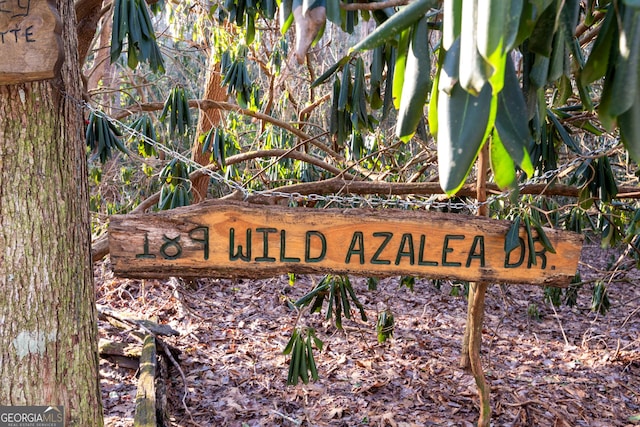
(227, 106)
(373, 6)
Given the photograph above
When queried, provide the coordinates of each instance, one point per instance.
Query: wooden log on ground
(114, 348)
(125, 355)
(126, 321)
(145, 414)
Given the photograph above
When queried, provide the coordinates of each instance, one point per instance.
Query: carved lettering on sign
(232, 240)
(30, 43)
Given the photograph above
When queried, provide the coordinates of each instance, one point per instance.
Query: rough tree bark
(208, 118)
(88, 13)
(48, 329)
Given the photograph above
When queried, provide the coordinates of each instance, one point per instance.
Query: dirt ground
(564, 366)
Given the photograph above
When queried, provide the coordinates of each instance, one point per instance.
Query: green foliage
(533, 312)
(339, 293)
(463, 126)
(553, 295)
(416, 81)
(597, 179)
(236, 77)
(534, 233)
(615, 56)
(408, 281)
(176, 187)
(144, 126)
(571, 293)
(302, 365)
(600, 300)
(176, 108)
(216, 142)
(103, 137)
(131, 21)
(385, 325)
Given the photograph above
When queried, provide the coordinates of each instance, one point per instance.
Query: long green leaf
(330, 71)
(393, 26)
(625, 83)
(333, 12)
(285, 15)
(607, 119)
(432, 116)
(512, 239)
(400, 65)
(497, 28)
(464, 121)
(512, 123)
(451, 22)
(473, 71)
(541, 38)
(449, 63)
(596, 65)
(629, 123)
(416, 82)
(558, 57)
(503, 167)
(564, 135)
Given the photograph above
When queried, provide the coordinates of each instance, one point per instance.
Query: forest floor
(547, 366)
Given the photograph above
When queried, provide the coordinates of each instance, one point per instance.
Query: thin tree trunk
(475, 343)
(48, 329)
(481, 196)
(209, 117)
(102, 69)
(472, 341)
(88, 13)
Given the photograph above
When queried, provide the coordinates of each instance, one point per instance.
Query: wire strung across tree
(433, 202)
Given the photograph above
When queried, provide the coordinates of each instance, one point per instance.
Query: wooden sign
(215, 239)
(30, 43)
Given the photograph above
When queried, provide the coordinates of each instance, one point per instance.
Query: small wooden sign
(216, 239)
(30, 42)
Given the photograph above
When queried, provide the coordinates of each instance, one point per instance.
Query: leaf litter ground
(569, 367)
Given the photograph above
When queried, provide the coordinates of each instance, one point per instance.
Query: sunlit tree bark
(48, 330)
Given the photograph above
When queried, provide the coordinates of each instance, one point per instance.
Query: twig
(286, 417)
(184, 378)
(373, 6)
(566, 341)
(626, 319)
(525, 403)
(173, 283)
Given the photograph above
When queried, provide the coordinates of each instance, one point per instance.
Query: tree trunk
(472, 341)
(209, 117)
(481, 197)
(48, 329)
(102, 68)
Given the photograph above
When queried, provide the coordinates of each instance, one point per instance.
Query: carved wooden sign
(223, 239)
(30, 43)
